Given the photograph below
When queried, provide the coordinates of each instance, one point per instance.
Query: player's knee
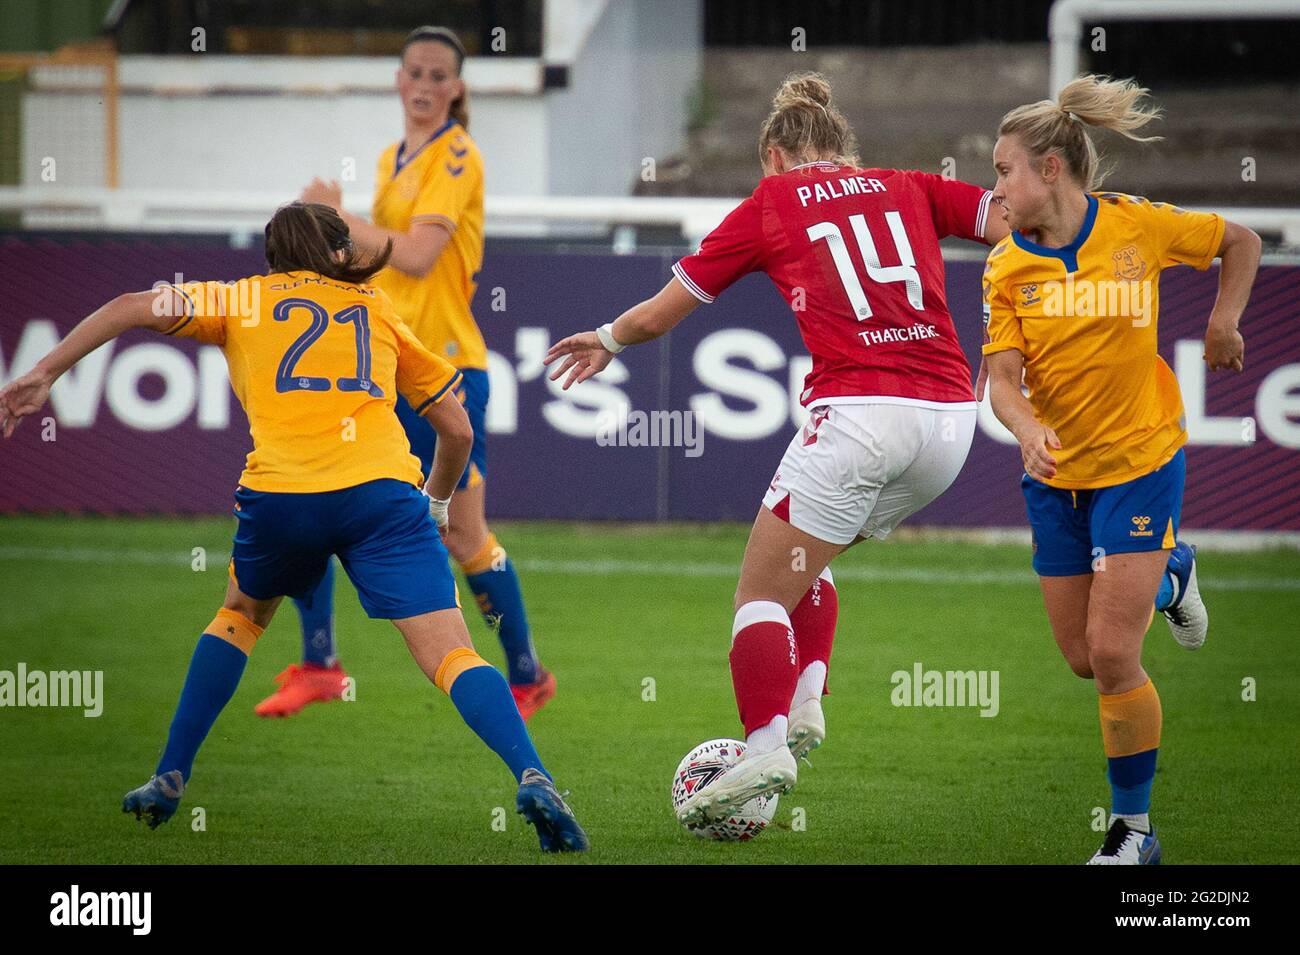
(256, 612)
(1108, 659)
(1075, 649)
(1080, 665)
(475, 549)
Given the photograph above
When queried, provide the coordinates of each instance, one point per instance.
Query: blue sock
(502, 605)
(214, 673)
(485, 704)
(317, 616)
(1130, 782)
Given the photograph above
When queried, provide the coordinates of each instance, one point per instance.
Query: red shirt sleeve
(958, 208)
(732, 250)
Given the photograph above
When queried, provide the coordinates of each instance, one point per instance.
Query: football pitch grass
(635, 623)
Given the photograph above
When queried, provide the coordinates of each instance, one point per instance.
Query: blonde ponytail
(805, 124)
(1058, 126)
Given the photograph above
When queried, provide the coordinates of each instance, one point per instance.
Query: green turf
(396, 777)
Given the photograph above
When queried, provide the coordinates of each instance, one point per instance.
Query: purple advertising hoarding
(148, 424)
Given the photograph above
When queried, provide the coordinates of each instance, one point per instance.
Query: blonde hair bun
(800, 88)
(805, 125)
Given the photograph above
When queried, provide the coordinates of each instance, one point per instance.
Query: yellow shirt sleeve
(1002, 330)
(206, 308)
(1187, 238)
(423, 378)
(446, 191)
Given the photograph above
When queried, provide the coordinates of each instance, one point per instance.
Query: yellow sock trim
(491, 552)
(1130, 722)
(454, 664)
(233, 627)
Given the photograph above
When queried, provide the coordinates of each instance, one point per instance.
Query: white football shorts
(860, 469)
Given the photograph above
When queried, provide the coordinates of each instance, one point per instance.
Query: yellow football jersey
(441, 182)
(317, 365)
(1084, 317)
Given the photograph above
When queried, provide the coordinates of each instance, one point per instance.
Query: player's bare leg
(1120, 608)
(780, 564)
(492, 578)
(1066, 600)
(432, 636)
(214, 672)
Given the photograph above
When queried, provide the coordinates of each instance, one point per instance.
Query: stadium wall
(618, 87)
(149, 425)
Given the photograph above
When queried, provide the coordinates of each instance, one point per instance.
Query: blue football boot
(540, 804)
(157, 799)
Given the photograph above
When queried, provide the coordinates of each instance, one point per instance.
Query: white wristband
(438, 509)
(607, 340)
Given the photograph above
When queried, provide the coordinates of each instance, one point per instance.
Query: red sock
(764, 663)
(813, 621)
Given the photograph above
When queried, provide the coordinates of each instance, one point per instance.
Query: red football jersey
(856, 254)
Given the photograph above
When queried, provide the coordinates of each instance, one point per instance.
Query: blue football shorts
(1073, 528)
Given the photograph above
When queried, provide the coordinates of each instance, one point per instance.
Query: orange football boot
(300, 685)
(531, 697)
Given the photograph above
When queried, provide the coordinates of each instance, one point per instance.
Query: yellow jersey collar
(400, 163)
(1068, 254)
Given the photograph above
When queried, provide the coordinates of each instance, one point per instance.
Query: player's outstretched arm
(1006, 369)
(28, 393)
(589, 353)
(1239, 251)
(450, 456)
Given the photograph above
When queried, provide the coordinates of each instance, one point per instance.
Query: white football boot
(807, 728)
(1188, 619)
(1125, 846)
(754, 775)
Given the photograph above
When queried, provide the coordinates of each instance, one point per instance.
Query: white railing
(1065, 23)
(244, 214)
